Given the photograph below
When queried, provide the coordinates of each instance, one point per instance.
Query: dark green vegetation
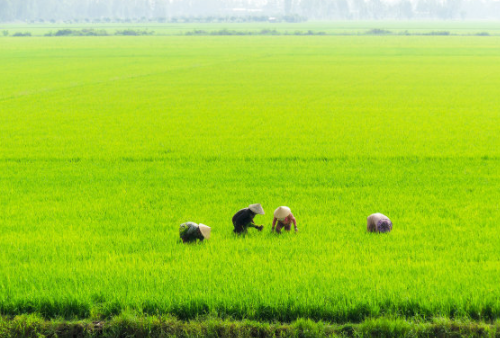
(128, 325)
(342, 28)
(108, 144)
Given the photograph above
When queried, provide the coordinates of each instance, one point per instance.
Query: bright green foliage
(108, 144)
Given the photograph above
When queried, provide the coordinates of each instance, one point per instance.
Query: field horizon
(482, 28)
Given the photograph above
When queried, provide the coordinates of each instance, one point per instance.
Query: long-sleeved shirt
(286, 221)
(190, 232)
(243, 217)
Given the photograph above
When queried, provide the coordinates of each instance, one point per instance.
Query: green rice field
(108, 144)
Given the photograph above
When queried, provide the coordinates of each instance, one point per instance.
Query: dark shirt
(243, 217)
(190, 232)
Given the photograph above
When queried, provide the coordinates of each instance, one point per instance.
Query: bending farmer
(190, 232)
(243, 219)
(378, 223)
(284, 217)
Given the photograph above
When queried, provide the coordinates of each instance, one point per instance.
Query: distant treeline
(180, 19)
(234, 10)
(375, 31)
(85, 32)
(198, 32)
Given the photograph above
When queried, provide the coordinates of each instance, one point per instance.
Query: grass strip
(130, 325)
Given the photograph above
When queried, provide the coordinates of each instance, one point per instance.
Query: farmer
(243, 219)
(378, 223)
(284, 218)
(190, 232)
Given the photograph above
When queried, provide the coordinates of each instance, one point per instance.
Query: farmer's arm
(274, 223)
(251, 216)
(294, 223)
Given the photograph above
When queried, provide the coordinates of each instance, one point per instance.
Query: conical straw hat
(205, 230)
(282, 212)
(257, 208)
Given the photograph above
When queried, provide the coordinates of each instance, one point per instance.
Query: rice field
(108, 144)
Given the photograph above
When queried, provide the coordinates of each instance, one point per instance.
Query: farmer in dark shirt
(243, 219)
(191, 231)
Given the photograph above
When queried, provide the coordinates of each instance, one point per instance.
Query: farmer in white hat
(243, 219)
(283, 218)
(378, 223)
(190, 232)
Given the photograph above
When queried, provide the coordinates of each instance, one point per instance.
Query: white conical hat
(257, 208)
(282, 212)
(205, 230)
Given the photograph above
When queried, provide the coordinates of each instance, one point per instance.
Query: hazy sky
(53, 10)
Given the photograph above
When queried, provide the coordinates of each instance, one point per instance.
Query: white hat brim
(282, 212)
(205, 230)
(256, 208)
